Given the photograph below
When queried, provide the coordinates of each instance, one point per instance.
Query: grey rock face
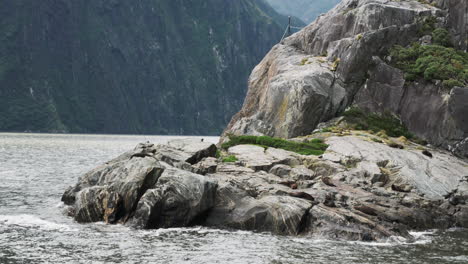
(207, 165)
(280, 170)
(444, 123)
(111, 191)
(457, 20)
(178, 198)
(434, 177)
(302, 173)
(294, 101)
(314, 75)
(257, 158)
(277, 214)
(195, 149)
(185, 151)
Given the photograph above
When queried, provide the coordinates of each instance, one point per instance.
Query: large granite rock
(112, 192)
(314, 75)
(358, 190)
(178, 198)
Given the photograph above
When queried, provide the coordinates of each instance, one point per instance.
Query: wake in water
(31, 221)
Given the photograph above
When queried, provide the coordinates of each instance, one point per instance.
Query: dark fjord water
(36, 169)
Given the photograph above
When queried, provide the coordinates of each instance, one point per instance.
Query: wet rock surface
(358, 190)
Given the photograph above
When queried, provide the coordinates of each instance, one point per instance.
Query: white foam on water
(419, 238)
(31, 221)
(197, 229)
(422, 238)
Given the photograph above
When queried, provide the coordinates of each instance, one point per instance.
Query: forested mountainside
(306, 10)
(114, 66)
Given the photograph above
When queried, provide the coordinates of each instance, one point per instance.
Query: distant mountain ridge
(306, 10)
(149, 66)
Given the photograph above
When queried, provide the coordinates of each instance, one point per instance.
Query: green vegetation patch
(230, 158)
(312, 147)
(433, 62)
(361, 120)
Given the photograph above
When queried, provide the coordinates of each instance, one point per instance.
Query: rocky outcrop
(341, 59)
(358, 190)
(145, 185)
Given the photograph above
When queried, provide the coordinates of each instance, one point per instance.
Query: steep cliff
(342, 59)
(151, 66)
(307, 10)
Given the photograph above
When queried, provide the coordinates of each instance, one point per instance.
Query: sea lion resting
(302, 195)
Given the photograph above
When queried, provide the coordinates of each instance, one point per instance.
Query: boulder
(177, 200)
(253, 157)
(461, 217)
(276, 214)
(114, 188)
(195, 149)
(206, 165)
(188, 151)
(337, 223)
(281, 170)
(301, 173)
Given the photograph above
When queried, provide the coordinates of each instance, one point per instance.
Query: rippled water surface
(36, 169)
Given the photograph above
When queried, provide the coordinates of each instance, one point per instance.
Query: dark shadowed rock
(177, 199)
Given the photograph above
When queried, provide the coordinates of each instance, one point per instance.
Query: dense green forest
(112, 66)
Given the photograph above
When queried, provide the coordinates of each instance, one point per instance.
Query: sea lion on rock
(427, 153)
(302, 195)
(290, 184)
(141, 155)
(329, 200)
(328, 181)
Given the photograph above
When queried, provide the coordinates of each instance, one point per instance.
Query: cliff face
(151, 66)
(342, 59)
